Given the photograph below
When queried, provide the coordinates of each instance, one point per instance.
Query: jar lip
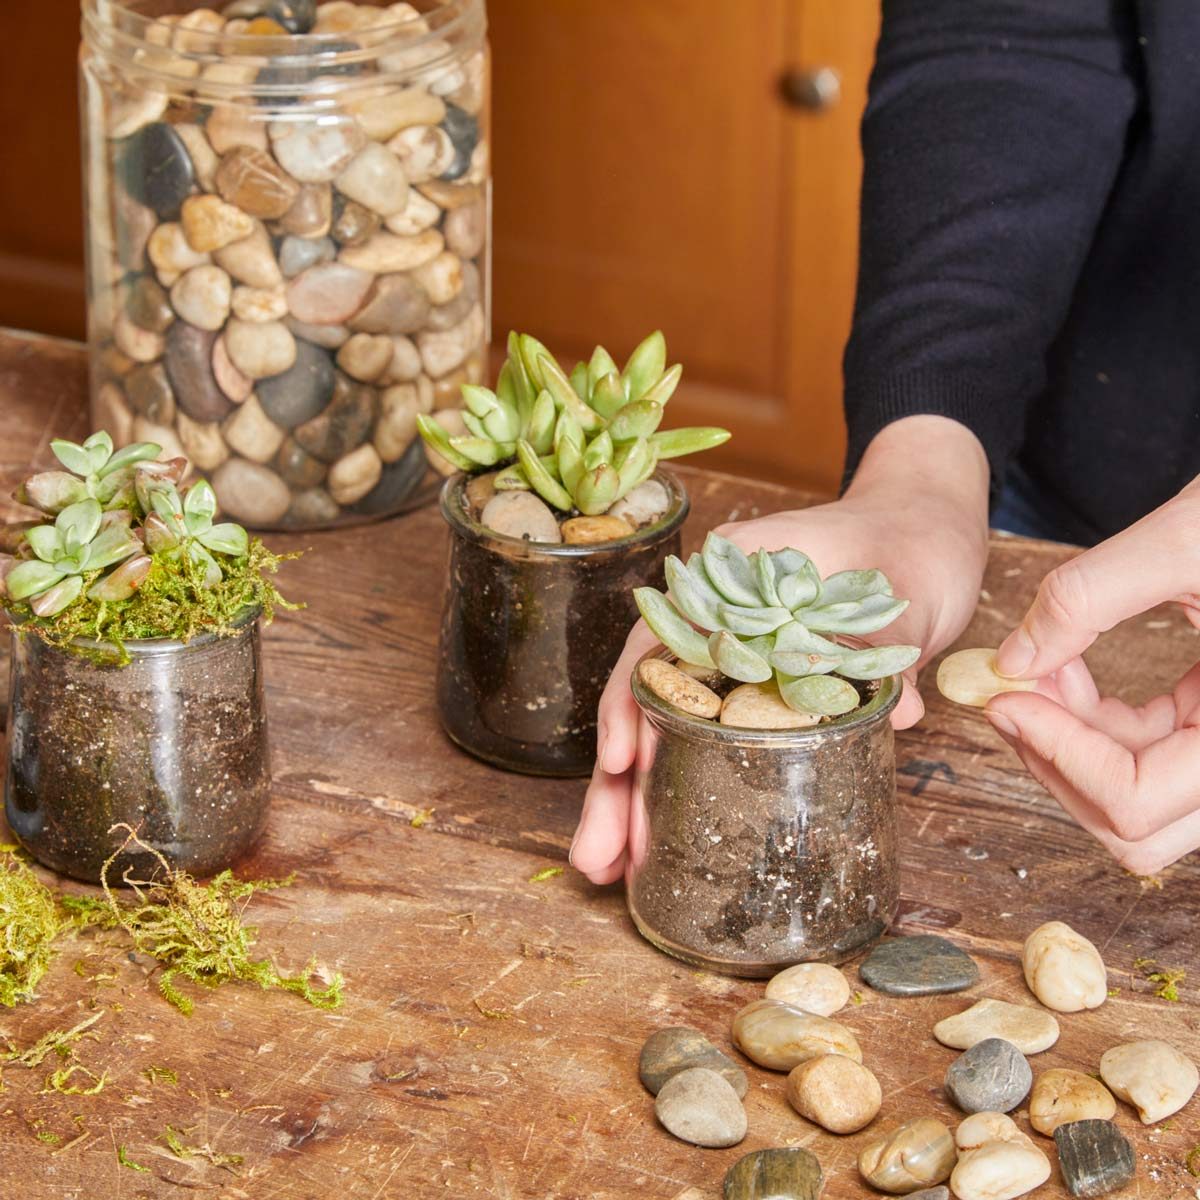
(454, 511)
(877, 709)
(120, 28)
(149, 647)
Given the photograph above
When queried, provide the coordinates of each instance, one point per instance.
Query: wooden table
(489, 1039)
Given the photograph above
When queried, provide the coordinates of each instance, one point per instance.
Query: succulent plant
(581, 441)
(93, 471)
(128, 514)
(754, 617)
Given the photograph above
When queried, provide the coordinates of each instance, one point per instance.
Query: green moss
(174, 1141)
(60, 1081)
(544, 874)
(196, 932)
(29, 924)
(57, 1041)
(171, 603)
(126, 1161)
(161, 1075)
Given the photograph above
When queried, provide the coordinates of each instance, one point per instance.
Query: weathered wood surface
(412, 1090)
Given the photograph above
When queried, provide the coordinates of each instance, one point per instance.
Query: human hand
(1127, 775)
(924, 526)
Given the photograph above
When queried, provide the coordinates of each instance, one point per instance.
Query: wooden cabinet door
(649, 172)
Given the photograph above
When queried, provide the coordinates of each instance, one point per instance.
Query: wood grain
(412, 1090)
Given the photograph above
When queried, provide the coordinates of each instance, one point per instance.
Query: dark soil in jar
(762, 849)
(530, 634)
(173, 744)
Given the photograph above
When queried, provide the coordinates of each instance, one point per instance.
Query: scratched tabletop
(489, 1037)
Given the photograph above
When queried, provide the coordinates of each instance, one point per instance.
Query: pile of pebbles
(277, 298)
(699, 1088)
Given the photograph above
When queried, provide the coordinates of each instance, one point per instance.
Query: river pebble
(999, 1171)
(992, 1076)
(777, 1036)
(671, 685)
(817, 988)
(920, 965)
(701, 1107)
(666, 1052)
(1152, 1076)
(1063, 969)
(1029, 1029)
(1095, 1157)
(1060, 1096)
(835, 1092)
(917, 1154)
(791, 1174)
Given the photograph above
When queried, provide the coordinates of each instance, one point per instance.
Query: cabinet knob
(811, 88)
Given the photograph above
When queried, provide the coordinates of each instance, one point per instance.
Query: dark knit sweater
(1030, 261)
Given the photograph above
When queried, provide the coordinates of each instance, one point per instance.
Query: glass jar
(531, 632)
(173, 744)
(288, 211)
(752, 849)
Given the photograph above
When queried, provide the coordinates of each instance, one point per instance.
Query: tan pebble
(365, 356)
(170, 254)
(405, 364)
(209, 223)
(441, 277)
(425, 150)
(201, 297)
(669, 683)
(521, 515)
(701, 1107)
(917, 1154)
(1060, 1096)
(1063, 969)
(251, 260)
(447, 391)
(383, 116)
(466, 229)
(444, 350)
(259, 349)
(780, 1037)
(128, 113)
(202, 442)
(451, 195)
(999, 1171)
(163, 435)
(311, 214)
(352, 477)
(142, 345)
(480, 489)
(375, 178)
(230, 380)
(835, 1092)
(418, 215)
(1031, 1030)
(983, 1127)
(592, 531)
(814, 987)
(760, 706)
(709, 676)
(396, 425)
(387, 253)
(970, 677)
(231, 126)
(1152, 1076)
(113, 414)
(251, 433)
(204, 157)
(259, 304)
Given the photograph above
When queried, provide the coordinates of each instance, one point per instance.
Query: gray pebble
(1095, 1157)
(923, 965)
(774, 1175)
(666, 1052)
(992, 1076)
(701, 1107)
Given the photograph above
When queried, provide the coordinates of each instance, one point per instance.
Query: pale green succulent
(93, 471)
(83, 539)
(581, 441)
(761, 616)
(148, 520)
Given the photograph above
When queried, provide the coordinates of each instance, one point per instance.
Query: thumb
(1142, 566)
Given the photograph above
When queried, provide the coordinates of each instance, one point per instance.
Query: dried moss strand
(29, 924)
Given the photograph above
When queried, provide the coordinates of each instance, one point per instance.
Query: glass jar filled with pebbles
(287, 232)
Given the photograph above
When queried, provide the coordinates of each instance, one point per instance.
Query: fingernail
(601, 743)
(1015, 654)
(1001, 724)
(571, 852)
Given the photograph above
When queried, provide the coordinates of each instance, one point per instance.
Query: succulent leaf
(796, 662)
(853, 585)
(200, 503)
(800, 583)
(541, 480)
(559, 386)
(226, 538)
(54, 599)
(664, 389)
(599, 365)
(124, 581)
(51, 491)
(821, 695)
(858, 617)
(675, 443)
(638, 419)
(670, 628)
(697, 600)
(737, 660)
(597, 490)
(570, 462)
(127, 456)
(30, 577)
(634, 462)
(645, 365)
(751, 621)
(764, 571)
(608, 396)
(511, 479)
(158, 534)
(579, 380)
(729, 571)
(439, 440)
(74, 457)
(877, 662)
(474, 425)
(111, 545)
(482, 451)
(599, 451)
(77, 524)
(44, 542)
(542, 423)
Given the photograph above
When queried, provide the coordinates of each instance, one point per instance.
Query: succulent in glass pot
(764, 825)
(136, 691)
(558, 509)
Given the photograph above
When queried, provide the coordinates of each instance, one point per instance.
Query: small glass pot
(174, 744)
(531, 632)
(287, 241)
(754, 849)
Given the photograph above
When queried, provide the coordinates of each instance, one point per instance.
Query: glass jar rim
(117, 29)
(877, 709)
(454, 511)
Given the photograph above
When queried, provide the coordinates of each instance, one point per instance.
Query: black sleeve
(993, 135)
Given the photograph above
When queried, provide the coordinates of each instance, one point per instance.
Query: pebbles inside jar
(288, 215)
